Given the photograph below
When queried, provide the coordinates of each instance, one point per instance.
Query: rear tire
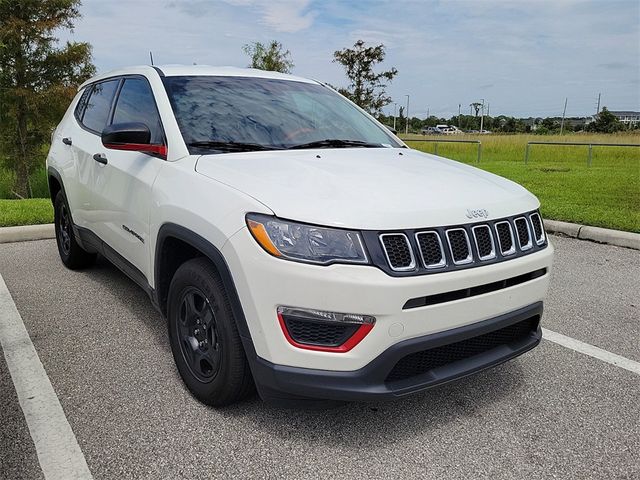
(72, 254)
(204, 337)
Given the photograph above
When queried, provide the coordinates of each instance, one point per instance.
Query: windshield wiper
(232, 146)
(336, 143)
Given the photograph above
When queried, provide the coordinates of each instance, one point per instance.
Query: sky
(523, 57)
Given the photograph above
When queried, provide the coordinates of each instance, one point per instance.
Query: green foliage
(366, 88)
(38, 79)
(607, 194)
(606, 122)
(270, 57)
(33, 211)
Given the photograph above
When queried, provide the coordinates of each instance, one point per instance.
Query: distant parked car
(441, 130)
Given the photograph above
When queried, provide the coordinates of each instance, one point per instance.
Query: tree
(366, 88)
(38, 78)
(476, 106)
(269, 57)
(606, 122)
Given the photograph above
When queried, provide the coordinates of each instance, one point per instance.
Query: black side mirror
(119, 133)
(132, 136)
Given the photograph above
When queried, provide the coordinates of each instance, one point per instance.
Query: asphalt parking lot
(552, 413)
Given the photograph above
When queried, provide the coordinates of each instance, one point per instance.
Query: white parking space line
(592, 351)
(58, 451)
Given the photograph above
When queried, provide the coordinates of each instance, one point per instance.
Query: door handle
(100, 158)
(66, 140)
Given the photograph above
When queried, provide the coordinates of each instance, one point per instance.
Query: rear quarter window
(96, 113)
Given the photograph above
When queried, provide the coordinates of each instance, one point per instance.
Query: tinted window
(82, 102)
(135, 104)
(268, 112)
(97, 112)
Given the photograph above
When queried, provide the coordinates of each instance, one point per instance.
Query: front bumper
(371, 382)
(264, 282)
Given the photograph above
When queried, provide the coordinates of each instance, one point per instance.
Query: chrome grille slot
(538, 230)
(524, 234)
(484, 242)
(459, 246)
(398, 251)
(431, 251)
(505, 238)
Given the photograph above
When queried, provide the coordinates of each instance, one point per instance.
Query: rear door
(121, 188)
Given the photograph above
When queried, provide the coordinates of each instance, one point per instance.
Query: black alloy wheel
(197, 332)
(64, 230)
(71, 253)
(204, 337)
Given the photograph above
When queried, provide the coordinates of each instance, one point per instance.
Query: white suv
(291, 241)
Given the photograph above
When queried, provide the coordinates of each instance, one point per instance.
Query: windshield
(215, 113)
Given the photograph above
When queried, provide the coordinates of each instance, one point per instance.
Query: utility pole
(482, 116)
(564, 112)
(598, 109)
(395, 113)
(406, 127)
(151, 57)
(459, 116)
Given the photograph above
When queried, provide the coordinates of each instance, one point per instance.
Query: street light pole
(482, 116)
(395, 113)
(406, 127)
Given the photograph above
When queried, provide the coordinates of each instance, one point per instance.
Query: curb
(26, 233)
(573, 230)
(594, 234)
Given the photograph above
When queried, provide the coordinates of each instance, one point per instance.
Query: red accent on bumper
(351, 342)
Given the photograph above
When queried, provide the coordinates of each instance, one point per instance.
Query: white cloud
(282, 15)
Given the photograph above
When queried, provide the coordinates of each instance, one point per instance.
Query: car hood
(367, 188)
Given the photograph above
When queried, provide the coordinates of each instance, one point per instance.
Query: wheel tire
(72, 254)
(204, 337)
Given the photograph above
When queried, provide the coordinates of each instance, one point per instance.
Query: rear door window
(96, 113)
(136, 104)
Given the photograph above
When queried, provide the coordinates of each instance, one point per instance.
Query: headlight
(306, 243)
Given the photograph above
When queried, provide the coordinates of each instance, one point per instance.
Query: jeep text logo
(480, 212)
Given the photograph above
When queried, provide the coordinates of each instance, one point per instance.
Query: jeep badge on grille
(480, 212)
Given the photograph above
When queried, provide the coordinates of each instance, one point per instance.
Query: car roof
(196, 70)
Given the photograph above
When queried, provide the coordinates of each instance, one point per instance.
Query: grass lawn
(607, 194)
(25, 212)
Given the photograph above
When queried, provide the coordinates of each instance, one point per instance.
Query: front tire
(72, 254)
(204, 337)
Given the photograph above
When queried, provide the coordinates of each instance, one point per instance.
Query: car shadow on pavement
(388, 421)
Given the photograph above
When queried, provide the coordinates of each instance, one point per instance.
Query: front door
(122, 186)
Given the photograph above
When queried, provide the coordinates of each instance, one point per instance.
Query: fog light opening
(323, 331)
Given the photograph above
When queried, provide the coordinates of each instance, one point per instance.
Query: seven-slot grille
(446, 248)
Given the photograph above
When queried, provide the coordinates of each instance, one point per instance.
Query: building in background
(630, 119)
